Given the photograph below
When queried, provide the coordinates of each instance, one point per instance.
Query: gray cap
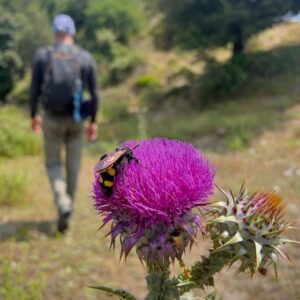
(64, 23)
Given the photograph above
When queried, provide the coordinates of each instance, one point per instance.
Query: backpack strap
(78, 94)
(47, 70)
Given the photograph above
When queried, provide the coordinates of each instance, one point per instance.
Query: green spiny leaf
(121, 293)
(211, 296)
(223, 219)
(286, 241)
(274, 259)
(280, 252)
(235, 239)
(219, 204)
(258, 248)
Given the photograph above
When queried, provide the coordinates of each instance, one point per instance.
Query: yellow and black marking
(109, 164)
(177, 237)
(107, 179)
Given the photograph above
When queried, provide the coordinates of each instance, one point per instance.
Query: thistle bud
(251, 227)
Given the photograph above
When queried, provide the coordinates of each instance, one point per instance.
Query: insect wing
(109, 160)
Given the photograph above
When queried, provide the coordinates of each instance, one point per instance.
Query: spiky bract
(251, 226)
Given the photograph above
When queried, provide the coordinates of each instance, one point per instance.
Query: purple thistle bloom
(152, 199)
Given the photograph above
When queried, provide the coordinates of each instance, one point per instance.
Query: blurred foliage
(15, 284)
(210, 23)
(10, 62)
(15, 137)
(13, 187)
(109, 27)
(122, 18)
(30, 36)
(19, 95)
(222, 80)
(147, 81)
(117, 33)
(122, 67)
(116, 60)
(32, 25)
(104, 27)
(246, 73)
(150, 91)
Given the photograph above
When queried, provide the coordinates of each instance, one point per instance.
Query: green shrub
(147, 81)
(16, 138)
(13, 187)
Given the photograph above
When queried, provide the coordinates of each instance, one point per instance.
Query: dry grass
(62, 268)
(287, 34)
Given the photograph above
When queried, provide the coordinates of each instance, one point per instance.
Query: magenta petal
(169, 180)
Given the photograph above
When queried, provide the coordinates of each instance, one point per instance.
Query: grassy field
(255, 136)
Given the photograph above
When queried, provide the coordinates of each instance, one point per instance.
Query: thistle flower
(251, 226)
(151, 204)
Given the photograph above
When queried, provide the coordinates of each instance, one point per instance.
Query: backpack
(62, 89)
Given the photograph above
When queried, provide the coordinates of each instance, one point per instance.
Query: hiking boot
(63, 222)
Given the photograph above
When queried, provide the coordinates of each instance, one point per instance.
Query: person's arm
(35, 90)
(93, 89)
(92, 86)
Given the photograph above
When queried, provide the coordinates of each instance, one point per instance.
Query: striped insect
(109, 165)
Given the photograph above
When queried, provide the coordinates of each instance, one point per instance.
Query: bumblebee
(109, 165)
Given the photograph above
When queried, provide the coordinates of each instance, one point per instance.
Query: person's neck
(66, 39)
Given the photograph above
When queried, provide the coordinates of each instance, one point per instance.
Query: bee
(177, 237)
(109, 165)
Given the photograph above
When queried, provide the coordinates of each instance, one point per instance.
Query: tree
(121, 18)
(10, 62)
(206, 23)
(29, 36)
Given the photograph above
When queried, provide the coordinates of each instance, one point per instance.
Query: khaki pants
(59, 132)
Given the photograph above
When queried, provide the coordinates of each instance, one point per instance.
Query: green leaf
(211, 296)
(119, 292)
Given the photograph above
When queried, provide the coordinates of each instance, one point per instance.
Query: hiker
(60, 73)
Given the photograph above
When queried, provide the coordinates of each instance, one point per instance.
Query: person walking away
(60, 73)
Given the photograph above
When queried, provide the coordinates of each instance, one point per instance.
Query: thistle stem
(160, 286)
(202, 273)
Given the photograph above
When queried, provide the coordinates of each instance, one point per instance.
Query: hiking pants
(61, 132)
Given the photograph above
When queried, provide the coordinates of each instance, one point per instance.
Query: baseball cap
(64, 23)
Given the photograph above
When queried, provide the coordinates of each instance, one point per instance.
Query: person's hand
(36, 124)
(91, 132)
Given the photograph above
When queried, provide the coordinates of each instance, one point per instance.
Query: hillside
(252, 135)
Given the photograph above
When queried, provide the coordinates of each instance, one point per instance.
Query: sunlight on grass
(13, 187)
(14, 283)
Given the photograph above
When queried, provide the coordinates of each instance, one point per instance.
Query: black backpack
(62, 81)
